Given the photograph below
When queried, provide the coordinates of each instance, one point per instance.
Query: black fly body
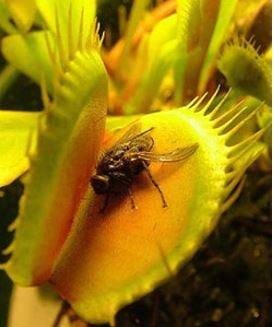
(130, 156)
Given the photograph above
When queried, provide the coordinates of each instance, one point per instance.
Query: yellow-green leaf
(5, 23)
(17, 137)
(30, 55)
(23, 12)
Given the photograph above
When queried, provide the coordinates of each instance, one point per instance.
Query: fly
(130, 156)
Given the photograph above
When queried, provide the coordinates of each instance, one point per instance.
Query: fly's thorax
(144, 143)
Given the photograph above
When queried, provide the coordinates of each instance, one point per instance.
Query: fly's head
(100, 183)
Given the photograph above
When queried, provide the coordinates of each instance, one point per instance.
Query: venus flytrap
(28, 52)
(245, 70)
(76, 113)
(100, 262)
(197, 191)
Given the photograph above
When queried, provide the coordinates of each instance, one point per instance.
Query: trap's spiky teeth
(233, 177)
(3, 266)
(231, 128)
(240, 155)
(196, 102)
(203, 109)
(227, 117)
(12, 227)
(65, 44)
(233, 196)
(8, 250)
(241, 147)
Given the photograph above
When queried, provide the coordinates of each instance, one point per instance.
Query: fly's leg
(132, 200)
(155, 184)
(102, 210)
(125, 182)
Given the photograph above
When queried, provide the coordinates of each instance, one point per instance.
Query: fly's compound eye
(100, 183)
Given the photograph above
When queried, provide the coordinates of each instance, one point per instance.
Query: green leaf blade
(16, 132)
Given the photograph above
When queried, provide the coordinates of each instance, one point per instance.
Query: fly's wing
(124, 142)
(132, 135)
(179, 154)
(124, 139)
